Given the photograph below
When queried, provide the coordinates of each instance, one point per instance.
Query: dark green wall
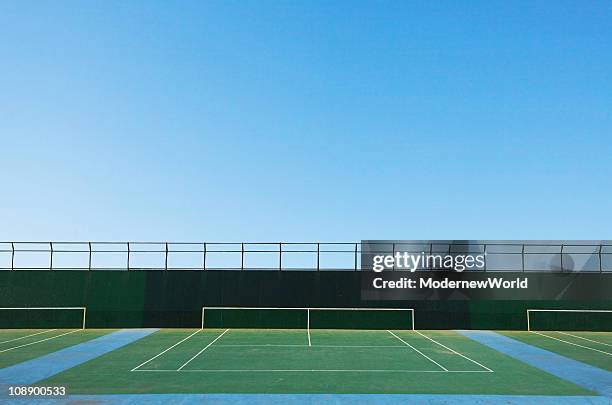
(174, 298)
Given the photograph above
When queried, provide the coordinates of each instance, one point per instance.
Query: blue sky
(305, 120)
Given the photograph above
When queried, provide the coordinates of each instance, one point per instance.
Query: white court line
(33, 334)
(570, 343)
(202, 351)
(456, 352)
(312, 370)
(419, 352)
(39, 341)
(159, 354)
(275, 345)
(262, 345)
(580, 337)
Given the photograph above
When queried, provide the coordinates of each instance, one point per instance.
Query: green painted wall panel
(174, 298)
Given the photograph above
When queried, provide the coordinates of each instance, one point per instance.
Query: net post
(202, 318)
(528, 325)
(412, 312)
(84, 316)
(308, 325)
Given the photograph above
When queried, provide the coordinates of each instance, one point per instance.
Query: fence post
(355, 257)
(523, 256)
(166, 262)
(204, 257)
(280, 256)
(51, 256)
(242, 256)
(128, 256)
(600, 265)
(89, 267)
(318, 256)
(13, 256)
(562, 258)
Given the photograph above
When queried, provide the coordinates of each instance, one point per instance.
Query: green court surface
(594, 348)
(19, 345)
(315, 361)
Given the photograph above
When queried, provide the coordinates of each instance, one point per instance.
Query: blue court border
(581, 374)
(327, 399)
(40, 368)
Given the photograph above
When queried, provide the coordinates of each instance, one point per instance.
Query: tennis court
(290, 351)
(244, 351)
(282, 361)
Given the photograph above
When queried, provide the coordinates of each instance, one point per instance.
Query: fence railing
(292, 256)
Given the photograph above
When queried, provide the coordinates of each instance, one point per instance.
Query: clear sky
(305, 120)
